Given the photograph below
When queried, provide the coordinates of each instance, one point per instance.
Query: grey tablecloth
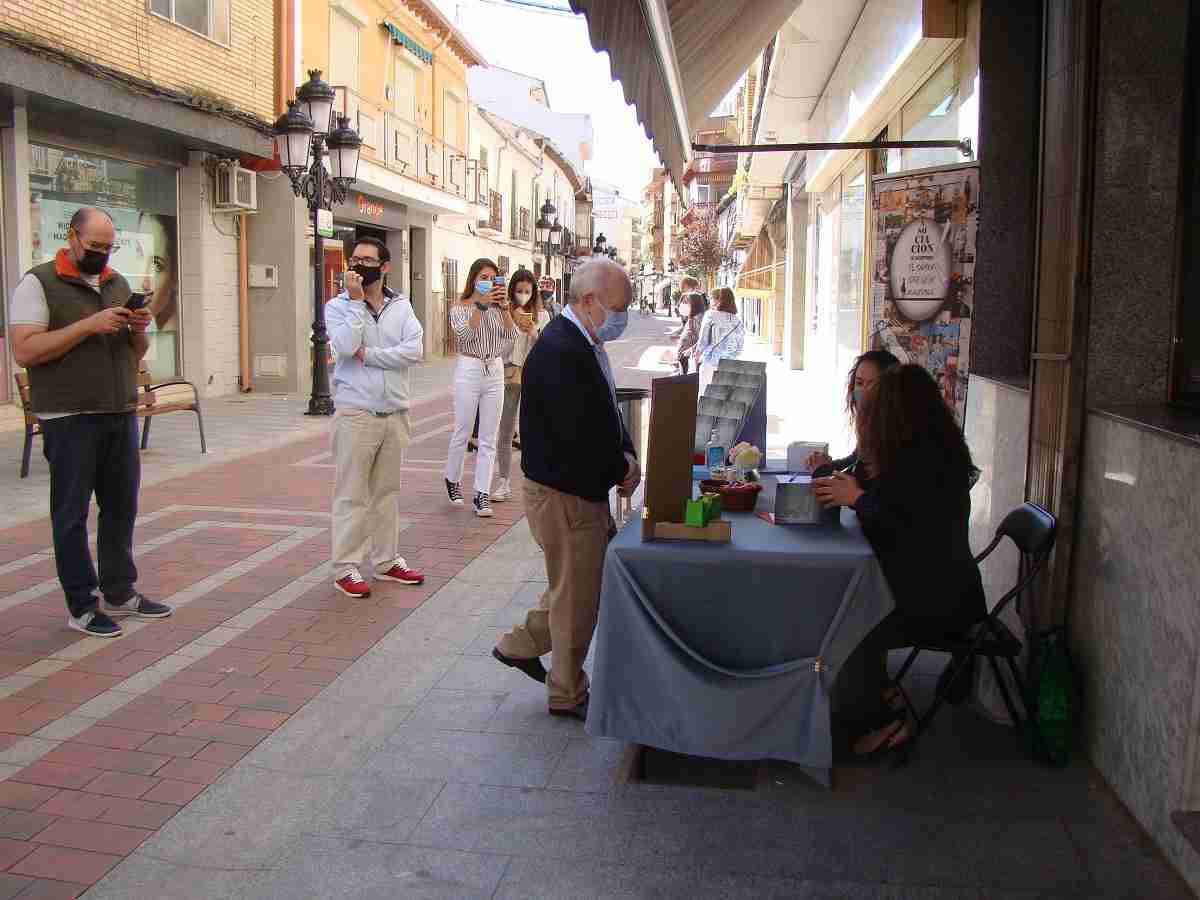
(729, 651)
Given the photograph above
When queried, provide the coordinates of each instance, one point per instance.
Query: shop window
(142, 203)
(207, 17)
(945, 108)
(850, 251)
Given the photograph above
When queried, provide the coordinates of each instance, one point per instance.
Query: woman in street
(690, 333)
(530, 319)
(484, 329)
(913, 503)
(722, 335)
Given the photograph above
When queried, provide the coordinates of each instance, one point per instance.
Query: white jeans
(706, 376)
(478, 387)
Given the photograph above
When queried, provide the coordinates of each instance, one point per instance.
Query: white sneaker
(503, 491)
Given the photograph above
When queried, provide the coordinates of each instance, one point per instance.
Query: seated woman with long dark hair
(914, 512)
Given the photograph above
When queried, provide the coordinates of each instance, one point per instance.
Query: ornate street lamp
(556, 236)
(545, 225)
(303, 140)
(601, 240)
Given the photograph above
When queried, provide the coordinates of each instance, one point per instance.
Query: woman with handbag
(690, 333)
(530, 319)
(722, 336)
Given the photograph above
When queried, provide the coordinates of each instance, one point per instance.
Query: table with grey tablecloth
(729, 651)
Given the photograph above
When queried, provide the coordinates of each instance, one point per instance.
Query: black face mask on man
(93, 262)
(546, 295)
(369, 274)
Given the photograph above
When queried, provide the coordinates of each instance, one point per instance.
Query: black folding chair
(1033, 531)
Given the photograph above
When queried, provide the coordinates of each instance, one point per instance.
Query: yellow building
(129, 105)
(400, 73)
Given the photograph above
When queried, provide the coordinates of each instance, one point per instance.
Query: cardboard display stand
(669, 463)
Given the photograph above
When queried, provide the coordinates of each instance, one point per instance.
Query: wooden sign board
(669, 454)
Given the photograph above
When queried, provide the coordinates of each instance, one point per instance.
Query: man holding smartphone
(377, 338)
(72, 329)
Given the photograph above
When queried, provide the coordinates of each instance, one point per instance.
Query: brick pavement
(102, 742)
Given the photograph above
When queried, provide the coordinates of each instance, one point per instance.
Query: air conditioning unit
(236, 188)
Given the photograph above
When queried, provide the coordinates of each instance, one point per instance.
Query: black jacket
(917, 521)
(572, 438)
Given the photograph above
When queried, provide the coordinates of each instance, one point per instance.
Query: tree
(701, 247)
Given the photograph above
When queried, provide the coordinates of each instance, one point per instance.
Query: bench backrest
(145, 397)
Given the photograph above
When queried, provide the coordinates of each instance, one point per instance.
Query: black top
(917, 521)
(572, 437)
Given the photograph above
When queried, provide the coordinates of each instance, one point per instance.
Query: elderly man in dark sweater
(575, 450)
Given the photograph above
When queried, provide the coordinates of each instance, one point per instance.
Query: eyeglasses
(369, 261)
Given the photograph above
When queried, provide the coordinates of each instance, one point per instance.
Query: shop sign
(325, 223)
(370, 208)
(923, 284)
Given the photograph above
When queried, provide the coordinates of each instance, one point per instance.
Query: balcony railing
(393, 141)
(495, 218)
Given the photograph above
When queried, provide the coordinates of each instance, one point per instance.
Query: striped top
(490, 341)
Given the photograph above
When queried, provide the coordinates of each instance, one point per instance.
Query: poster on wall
(922, 294)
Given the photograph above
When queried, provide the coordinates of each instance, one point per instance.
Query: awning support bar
(963, 146)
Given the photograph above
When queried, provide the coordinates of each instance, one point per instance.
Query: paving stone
(143, 877)
(371, 871)
(457, 710)
(22, 825)
(65, 864)
(471, 757)
(327, 737)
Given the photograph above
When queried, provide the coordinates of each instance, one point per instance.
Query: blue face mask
(483, 286)
(856, 397)
(613, 327)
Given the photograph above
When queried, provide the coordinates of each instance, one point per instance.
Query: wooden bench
(147, 407)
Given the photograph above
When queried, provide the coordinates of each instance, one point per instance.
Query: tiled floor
(102, 742)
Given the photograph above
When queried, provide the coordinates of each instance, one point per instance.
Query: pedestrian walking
(691, 330)
(530, 318)
(377, 339)
(722, 336)
(483, 326)
(575, 450)
(81, 333)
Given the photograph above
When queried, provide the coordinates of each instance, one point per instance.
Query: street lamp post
(303, 140)
(549, 232)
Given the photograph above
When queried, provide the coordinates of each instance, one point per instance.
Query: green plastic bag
(1054, 702)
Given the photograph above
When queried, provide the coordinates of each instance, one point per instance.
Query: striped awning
(677, 59)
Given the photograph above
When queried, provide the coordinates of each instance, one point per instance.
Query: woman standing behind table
(690, 333)
(485, 331)
(863, 376)
(722, 335)
(914, 512)
(530, 319)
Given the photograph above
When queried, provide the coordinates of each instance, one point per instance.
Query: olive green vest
(99, 374)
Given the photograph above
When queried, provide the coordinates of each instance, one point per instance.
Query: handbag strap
(728, 334)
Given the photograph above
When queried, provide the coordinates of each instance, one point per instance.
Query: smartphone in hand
(136, 301)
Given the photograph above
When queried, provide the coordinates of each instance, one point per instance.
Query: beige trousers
(368, 452)
(573, 533)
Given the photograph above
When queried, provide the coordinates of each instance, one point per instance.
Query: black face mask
(546, 295)
(93, 262)
(369, 274)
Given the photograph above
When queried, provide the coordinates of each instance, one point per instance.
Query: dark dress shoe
(572, 712)
(531, 667)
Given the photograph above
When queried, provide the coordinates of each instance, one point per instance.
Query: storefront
(143, 203)
(363, 216)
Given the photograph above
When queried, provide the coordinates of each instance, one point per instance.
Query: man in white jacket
(376, 337)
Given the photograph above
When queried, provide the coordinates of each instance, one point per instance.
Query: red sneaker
(400, 572)
(352, 585)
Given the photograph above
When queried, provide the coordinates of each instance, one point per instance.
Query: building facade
(145, 136)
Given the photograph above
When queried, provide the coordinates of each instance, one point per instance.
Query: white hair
(596, 276)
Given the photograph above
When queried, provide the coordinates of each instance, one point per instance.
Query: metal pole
(321, 402)
(963, 146)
